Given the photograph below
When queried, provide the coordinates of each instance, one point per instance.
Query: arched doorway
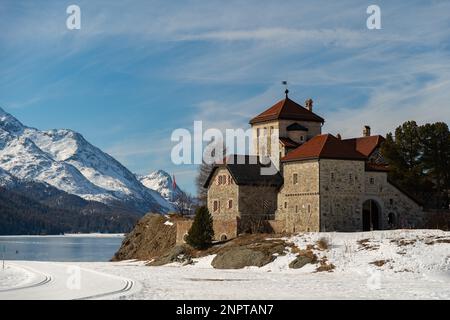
(371, 215)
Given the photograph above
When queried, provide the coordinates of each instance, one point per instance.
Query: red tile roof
(324, 146)
(287, 109)
(365, 145)
(288, 142)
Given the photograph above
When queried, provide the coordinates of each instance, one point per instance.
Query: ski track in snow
(64, 281)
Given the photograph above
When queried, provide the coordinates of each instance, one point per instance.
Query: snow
(65, 160)
(62, 281)
(418, 268)
(161, 182)
(12, 276)
(168, 223)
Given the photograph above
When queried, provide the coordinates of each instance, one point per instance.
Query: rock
(152, 237)
(180, 253)
(300, 262)
(257, 255)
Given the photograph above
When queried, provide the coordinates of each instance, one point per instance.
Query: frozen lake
(71, 248)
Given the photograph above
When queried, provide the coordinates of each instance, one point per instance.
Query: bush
(323, 243)
(201, 233)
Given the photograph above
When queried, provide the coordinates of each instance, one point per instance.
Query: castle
(322, 183)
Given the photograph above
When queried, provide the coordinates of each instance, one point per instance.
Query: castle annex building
(323, 183)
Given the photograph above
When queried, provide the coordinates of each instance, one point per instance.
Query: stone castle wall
(330, 195)
(299, 204)
(223, 229)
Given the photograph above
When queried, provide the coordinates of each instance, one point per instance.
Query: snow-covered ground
(12, 276)
(401, 264)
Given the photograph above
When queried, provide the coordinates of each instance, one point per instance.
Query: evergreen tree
(201, 233)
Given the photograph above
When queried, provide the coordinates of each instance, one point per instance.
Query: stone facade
(262, 146)
(330, 195)
(298, 199)
(248, 202)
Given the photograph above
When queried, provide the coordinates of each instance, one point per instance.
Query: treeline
(419, 161)
(55, 212)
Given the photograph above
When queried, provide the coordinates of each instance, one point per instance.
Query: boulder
(246, 256)
(180, 253)
(300, 262)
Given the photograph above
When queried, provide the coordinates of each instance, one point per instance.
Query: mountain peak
(162, 182)
(9, 123)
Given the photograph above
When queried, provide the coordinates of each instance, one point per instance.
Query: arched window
(223, 237)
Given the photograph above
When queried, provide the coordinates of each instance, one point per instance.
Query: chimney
(309, 104)
(339, 136)
(366, 131)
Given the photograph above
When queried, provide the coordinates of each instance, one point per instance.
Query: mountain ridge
(64, 159)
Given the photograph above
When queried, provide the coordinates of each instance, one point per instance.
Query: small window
(309, 208)
(230, 204)
(301, 138)
(216, 206)
(372, 181)
(220, 180)
(229, 179)
(295, 178)
(332, 176)
(296, 209)
(391, 202)
(223, 237)
(350, 177)
(285, 204)
(257, 132)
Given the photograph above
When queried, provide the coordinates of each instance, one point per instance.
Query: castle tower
(287, 124)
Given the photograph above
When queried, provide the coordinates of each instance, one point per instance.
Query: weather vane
(285, 83)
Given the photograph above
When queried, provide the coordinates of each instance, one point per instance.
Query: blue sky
(137, 70)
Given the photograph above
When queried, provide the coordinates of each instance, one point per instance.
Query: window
(332, 176)
(372, 181)
(229, 179)
(295, 178)
(350, 177)
(301, 138)
(216, 206)
(219, 180)
(296, 209)
(309, 208)
(230, 204)
(391, 202)
(285, 204)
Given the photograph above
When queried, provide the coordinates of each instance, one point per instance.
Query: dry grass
(325, 266)
(380, 263)
(366, 245)
(404, 242)
(323, 243)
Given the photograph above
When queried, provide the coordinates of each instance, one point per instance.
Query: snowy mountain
(161, 182)
(65, 160)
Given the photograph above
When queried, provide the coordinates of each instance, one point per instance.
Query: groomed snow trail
(66, 281)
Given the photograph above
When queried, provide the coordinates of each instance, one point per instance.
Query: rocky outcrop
(152, 237)
(180, 254)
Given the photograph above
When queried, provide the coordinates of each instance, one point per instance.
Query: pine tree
(201, 233)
